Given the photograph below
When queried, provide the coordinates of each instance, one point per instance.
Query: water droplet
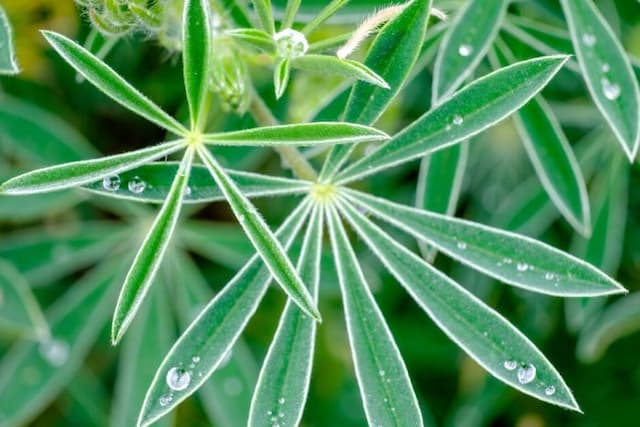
(187, 191)
(605, 68)
(195, 359)
(458, 120)
(526, 374)
(111, 183)
(178, 379)
(462, 245)
(382, 373)
(549, 276)
(465, 50)
(290, 43)
(165, 400)
(232, 386)
(522, 266)
(589, 39)
(281, 400)
(611, 90)
(510, 365)
(507, 260)
(54, 351)
(549, 391)
(137, 185)
(281, 414)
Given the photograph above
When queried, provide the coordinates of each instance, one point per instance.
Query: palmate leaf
(283, 384)
(76, 319)
(607, 72)
(110, 83)
(8, 62)
(158, 177)
(479, 330)
(332, 65)
(212, 334)
(150, 254)
(473, 109)
(299, 135)
(281, 76)
(19, 310)
(196, 40)
(83, 172)
(385, 388)
(392, 55)
(262, 237)
(511, 258)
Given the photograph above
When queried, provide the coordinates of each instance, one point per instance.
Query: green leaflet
(215, 330)
(281, 76)
(76, 319)
(385, 388)
(392, 55)
(195, 58)
(83, 172)
(328, 11)
(19, 310)
(150, 183)
(479, 330)
(255, 38)
(8, 62)
(110, 83)
(149, 256)
(465, 44)
(150, 338)
(552, 157)
(262, 237)
(265, 14)
(290, 14)
(332, 65)
(513, 259)
(283, 384)
(607, 72)
(299, 135)
(476, 107)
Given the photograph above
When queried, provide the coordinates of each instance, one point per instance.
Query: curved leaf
(8, 62)
(332, 65)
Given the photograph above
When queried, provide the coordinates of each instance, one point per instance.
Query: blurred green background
(71, 232)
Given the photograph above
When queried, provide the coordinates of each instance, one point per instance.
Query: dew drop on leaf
(610, 89)
(54, 351)
(165, 400)
(281, 400)
(510, 365)
(549, 276)
(178, 379)
(522, 266)
(458, 120)
(462, 245)
(465, 50)
(111, 183)
(605, 68)
(291, 43)
(550, 390)
(137, 185)
(589, 39)
(526, 374)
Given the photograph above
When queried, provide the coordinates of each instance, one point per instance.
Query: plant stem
(296, 161)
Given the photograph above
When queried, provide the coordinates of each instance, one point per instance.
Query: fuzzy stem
(296, 161)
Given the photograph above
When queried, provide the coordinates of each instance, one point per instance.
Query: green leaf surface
(36, 206)
(479, 330)
(222, 242)
(473, 109)
(157, 179)
(290, 14)
(253, 37)
(83, 172)
(111, 83)
(281, 76)
(8, 62)
(265, 14)
(332, 65)
(465, 44)
(607, 72)
(196, 39)
(283, 384)
(392, 55)
(385, 388)
(511, 258)
(262, 238)
(299, 135)
(215, 330)
(32, 374)
(19, 310)
(145, 265)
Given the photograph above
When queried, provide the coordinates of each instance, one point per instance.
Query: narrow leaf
(281, 76)
(195, 56)
(265, 15)
(385, 388)
(299, 134)
(253, 37)
(465, 44)
(149, 256)
(215, 330)
(332, 65)
(473, 109)
(8, 62)
(290, 14)
(283, 384)
(111, 83)
(607, 72)
(479, 330)
(150, 183)
(83, 172)
(514, 259)
(392, 55)
(19, 310)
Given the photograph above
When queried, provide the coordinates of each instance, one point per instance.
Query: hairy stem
(290, 155)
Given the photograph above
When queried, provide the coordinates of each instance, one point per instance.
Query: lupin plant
(219, 44)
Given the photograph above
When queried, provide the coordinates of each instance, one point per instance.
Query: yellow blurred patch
(28, 17)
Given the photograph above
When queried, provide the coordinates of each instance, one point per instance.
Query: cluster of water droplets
(290, 43)
(526, 373)
(112, 183)
(610, 88)
(54, 351)
(276, 417)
